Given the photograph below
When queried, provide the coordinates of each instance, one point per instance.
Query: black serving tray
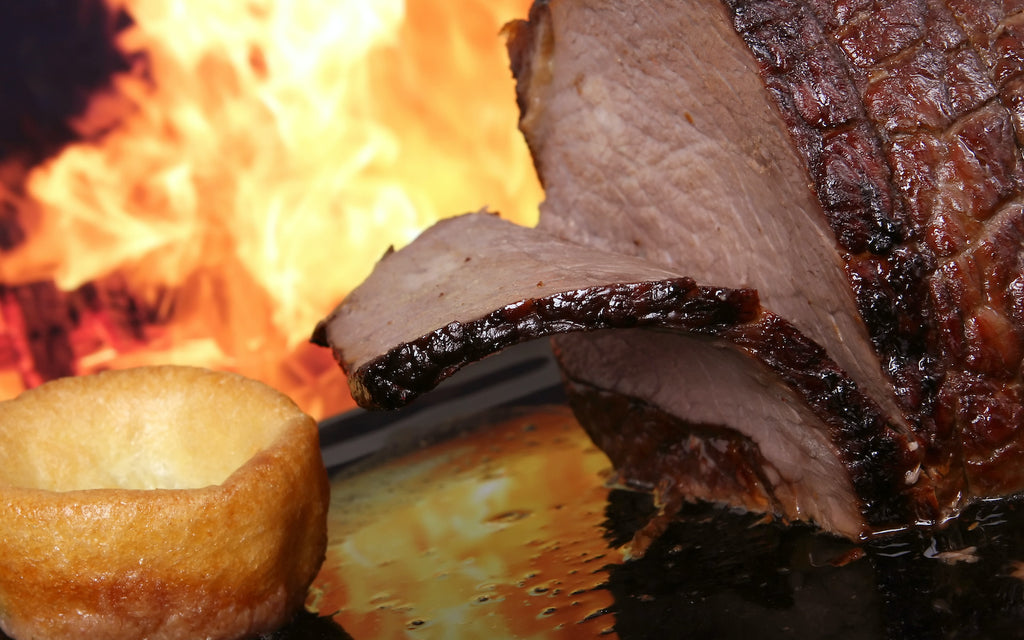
(483, 511)
(716, 573)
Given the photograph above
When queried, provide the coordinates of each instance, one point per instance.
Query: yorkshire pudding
(157, 502)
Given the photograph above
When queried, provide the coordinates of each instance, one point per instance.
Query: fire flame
(258, 160)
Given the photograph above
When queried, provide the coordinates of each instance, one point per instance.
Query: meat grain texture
(780, 252)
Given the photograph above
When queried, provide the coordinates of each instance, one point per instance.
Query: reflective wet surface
(495, 533)
(511, 531)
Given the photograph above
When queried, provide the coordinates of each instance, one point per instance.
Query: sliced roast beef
(654, 136)
(852, 166)
(855, 162)
(785, 430)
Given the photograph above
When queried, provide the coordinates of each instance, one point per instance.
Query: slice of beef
(853, 166)
(784, 430)
(855, 162)
(654, 136)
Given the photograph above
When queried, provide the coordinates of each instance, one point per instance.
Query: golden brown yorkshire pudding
(158, 502)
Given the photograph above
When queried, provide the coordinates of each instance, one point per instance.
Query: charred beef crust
(408, 370)
(909, 117)
(475, 284)
(812, 82)
(880, 460)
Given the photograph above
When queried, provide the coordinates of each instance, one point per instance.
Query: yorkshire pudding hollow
(157, 502)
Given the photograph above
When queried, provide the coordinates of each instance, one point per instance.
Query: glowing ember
(256, 165)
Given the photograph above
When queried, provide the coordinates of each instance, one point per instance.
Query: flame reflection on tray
(511, 531)
(495, 533)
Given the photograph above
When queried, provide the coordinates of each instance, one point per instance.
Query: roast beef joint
(779, 258)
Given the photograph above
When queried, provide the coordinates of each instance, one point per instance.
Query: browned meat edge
(854, 183)
(397, 377)
(908, 115)
(878, 458)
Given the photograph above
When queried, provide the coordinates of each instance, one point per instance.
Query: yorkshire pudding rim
(136, 429)
(237, 480)
(223, 561)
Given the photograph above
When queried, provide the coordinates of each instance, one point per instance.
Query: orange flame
(253, 169)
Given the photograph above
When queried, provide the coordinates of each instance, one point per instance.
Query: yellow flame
(264, 157)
